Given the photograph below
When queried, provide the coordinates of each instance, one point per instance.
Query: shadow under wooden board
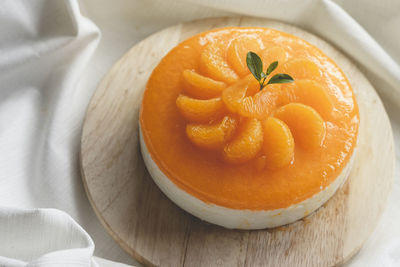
(156, 232)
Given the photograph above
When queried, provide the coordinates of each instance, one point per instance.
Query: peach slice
(246, 143)
(275, 53)
(278, 143)
(307, 92)
(214, 64)
(301, 68)
(197, 110)
(234, 94)
(237, 53)
(246, 99)
(306, 125)
(212, 136)
(200, 86)
(259, 106)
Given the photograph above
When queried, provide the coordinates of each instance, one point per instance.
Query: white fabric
(42, 238)
(50, 66)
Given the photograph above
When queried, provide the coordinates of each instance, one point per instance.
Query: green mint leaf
(254, 64)
(263, 75)
(280, 78)
(272, 67)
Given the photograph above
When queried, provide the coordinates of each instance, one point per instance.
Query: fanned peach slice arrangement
(232, 108)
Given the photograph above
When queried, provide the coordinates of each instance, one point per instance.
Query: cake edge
(239, 218)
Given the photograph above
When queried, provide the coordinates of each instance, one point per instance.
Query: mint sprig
(255, 65)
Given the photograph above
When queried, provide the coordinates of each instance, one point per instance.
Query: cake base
(239, 219)
(157, 232)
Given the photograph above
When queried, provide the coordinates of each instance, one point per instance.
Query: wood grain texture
(156, 232)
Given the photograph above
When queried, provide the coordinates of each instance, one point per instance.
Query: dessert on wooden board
(248, 127)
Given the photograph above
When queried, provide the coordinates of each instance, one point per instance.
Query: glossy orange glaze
(178, 142)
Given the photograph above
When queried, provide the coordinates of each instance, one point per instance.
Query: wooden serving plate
(156, 232)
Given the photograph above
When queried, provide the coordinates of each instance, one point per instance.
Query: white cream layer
(238, 218)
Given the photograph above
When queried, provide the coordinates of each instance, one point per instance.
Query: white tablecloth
(51, 59)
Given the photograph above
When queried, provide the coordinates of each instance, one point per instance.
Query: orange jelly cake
(248, 128)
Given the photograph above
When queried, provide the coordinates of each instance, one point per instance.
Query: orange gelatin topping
(216, 135)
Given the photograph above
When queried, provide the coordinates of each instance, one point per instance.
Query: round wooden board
(156, 232)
